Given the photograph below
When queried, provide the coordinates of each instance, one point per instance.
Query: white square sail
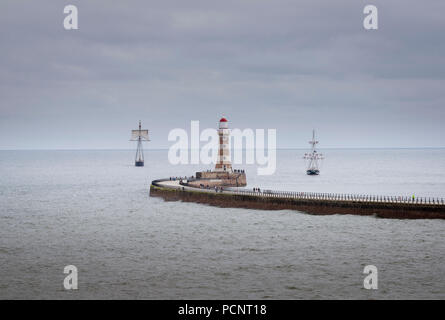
(135, 134)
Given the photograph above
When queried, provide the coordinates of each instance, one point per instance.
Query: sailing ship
(314, 158)
(139, 135)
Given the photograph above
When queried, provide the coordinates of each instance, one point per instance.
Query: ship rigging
(139, 136)
(314, 158)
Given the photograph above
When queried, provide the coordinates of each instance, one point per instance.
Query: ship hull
(313, 172)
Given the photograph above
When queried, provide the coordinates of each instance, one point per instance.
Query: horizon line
(161, 149)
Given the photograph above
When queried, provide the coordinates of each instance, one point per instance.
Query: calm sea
(92, 209)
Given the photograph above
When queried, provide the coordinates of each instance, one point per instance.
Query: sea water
(92, 209)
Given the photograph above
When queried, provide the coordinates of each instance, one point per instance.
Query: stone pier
(313, 203)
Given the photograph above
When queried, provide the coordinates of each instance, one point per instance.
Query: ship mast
(139, 136)
(314, 157)
(139, 152)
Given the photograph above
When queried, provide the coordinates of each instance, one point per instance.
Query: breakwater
(313, 203)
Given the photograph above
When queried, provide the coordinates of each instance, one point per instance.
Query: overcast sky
(289, 65)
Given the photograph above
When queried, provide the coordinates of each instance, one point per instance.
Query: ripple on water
(99, 217)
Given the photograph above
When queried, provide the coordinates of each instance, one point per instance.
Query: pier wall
(218, 179)
(251, 200)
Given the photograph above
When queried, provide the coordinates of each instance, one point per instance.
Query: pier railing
(342, 197)
(305, 195)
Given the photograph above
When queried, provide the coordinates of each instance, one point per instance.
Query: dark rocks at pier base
(311, 206)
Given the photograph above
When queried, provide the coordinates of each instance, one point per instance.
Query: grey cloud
(290, 65)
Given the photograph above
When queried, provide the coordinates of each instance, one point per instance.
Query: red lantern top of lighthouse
(223, 123)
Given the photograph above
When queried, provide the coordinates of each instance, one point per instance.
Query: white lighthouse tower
(223, 175)
(223, 163)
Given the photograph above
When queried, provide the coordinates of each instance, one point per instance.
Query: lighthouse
(223, 163)
(223, 175)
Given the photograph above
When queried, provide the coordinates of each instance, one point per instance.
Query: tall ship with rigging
(139, 135)
(313, 158)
